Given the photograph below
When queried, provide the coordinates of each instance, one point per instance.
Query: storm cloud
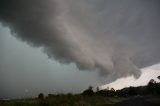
(113, 37)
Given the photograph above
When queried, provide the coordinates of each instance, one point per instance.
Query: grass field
(154, 99)
(63, 100)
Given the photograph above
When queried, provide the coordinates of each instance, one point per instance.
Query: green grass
(154, 99)
(64, 100)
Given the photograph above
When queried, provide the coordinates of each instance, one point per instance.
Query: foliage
(41, 96)
(88, 92)
(63, 100)
(88, 97)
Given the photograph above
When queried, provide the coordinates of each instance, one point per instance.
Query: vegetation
(63, 100)
(154, 99)
(152, 88)
(88, 92)
(90, 98)
(41, 96)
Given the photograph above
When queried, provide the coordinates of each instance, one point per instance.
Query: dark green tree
(41, 96)
(112, 89)
(88, 92)
(151, 86)
(90, 87)
(97, 89)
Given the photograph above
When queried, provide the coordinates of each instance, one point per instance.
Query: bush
(41, 96)
(88, 92)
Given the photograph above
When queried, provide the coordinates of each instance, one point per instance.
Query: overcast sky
(26, 68)
(54, 46)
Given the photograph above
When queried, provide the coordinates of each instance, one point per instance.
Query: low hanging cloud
(114, 37)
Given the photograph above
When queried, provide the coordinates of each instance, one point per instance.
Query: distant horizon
(111, 85)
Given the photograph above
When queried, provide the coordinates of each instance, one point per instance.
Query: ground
(78, 100)
(138, 101)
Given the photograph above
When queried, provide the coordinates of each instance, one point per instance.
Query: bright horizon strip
(148, 73)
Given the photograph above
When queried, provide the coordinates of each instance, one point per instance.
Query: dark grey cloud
(114, 37)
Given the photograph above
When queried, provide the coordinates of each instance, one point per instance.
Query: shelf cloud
(114, 37)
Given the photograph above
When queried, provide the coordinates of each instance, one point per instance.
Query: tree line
(152, 88)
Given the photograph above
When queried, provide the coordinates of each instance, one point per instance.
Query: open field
(138, 101)
(64, 100)
(78, 100)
